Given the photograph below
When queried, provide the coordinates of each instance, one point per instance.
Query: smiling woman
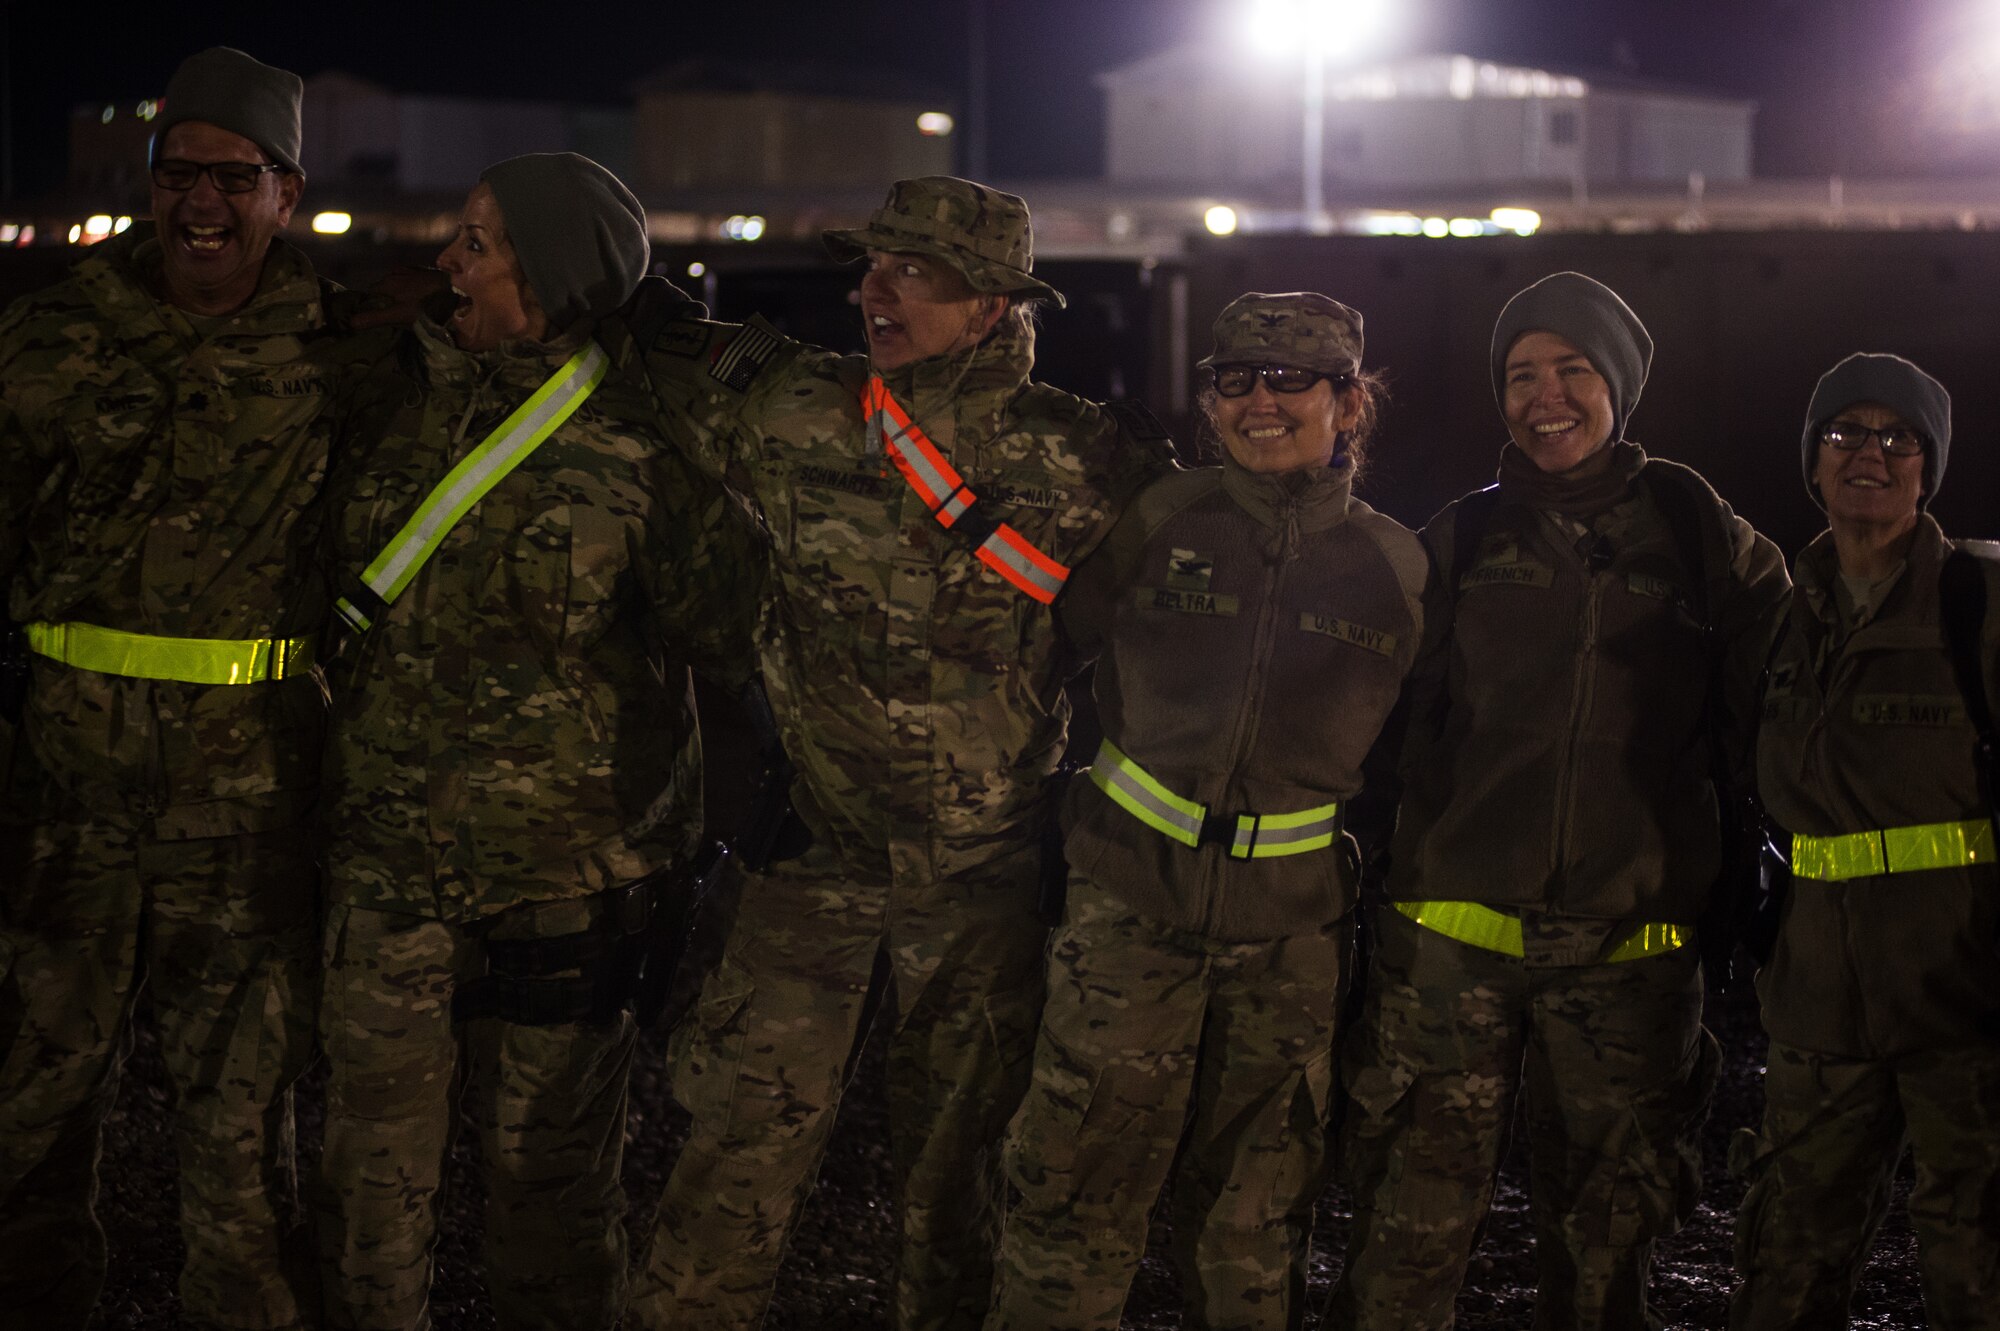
(1212, 879)
(1869, 756)
(1556, 842)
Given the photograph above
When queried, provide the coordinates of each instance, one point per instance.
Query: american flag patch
(737, 363)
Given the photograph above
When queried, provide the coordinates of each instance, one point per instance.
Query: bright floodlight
(697, 268)
(1521, 221)
(1313, 27)
(332, 224)
(98, 224)
(121, 226)
(936, 124)
(1220, 220)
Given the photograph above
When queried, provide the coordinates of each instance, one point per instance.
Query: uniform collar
(1816, 572)
(121, 276)
(526, 364)
(968, 392)
(1313, 500)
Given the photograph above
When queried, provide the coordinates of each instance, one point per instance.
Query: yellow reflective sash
(946, 495)
(1253, 836)
(1830, 859)
(1481, 926)
(186, 660)
(391, 571)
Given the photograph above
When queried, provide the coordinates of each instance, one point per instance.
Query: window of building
(1562, 128)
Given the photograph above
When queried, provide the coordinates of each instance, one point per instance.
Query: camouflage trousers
(1146, 1030)
(545, 1106)
(762, 1061)
(1820, 1171)
(1618, 1073)
(221, 933)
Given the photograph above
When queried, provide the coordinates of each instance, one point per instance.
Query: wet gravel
(837, 1275)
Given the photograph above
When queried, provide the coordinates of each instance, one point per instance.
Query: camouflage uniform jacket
(918, 693)
(156, 481)
(518, 727)
(1255, 632)
(1557, 759)
(1864, 728)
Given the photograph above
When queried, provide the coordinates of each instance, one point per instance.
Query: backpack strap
(1468, 529)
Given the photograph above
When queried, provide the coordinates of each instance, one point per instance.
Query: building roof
(1436, 74)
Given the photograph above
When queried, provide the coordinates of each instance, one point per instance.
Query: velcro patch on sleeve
(736, 364)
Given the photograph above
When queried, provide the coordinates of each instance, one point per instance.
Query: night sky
(1871, 86)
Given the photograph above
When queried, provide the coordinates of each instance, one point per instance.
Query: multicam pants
(1618, 1071)
(221, 931)
(1142, 1019)
(762, 1060)
(546, 1106)
(1821, 1168)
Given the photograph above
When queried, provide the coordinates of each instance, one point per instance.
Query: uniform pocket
(708, 1050)
(1659, 1182)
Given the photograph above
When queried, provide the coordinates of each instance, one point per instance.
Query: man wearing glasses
(164, 426)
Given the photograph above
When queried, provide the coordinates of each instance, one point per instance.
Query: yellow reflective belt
(1481, 926)
(1255, 837)
(1829, 859)
(465, 485)
(188, 660)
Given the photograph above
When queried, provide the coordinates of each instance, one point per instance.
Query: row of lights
(1221, 220)
(145, 110)
(96, 227)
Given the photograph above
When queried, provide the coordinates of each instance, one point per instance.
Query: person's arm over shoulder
(1091, 595)
(1748, 622)
(1372, 813)
(705, 574)
(714, 383)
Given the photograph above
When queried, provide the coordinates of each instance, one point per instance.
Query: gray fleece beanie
(580, 234)
(230, 90)
(1896, 384)
(1585, 312)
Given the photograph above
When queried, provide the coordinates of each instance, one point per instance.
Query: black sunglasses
(1239, 380)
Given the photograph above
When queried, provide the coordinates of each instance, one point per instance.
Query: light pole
(1320, 30)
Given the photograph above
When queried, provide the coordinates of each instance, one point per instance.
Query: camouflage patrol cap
(1301, 329)
(982, 232)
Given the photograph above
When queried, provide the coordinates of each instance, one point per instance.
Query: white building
(1204, 115)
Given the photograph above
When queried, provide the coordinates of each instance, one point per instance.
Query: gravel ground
(837, 1274)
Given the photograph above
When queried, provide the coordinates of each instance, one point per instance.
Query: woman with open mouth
(1876, 752)
(514, 765)
(1594, 634)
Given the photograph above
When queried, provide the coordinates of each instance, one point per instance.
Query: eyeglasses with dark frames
(1239, 380)
(1898, 441)
(179, 175)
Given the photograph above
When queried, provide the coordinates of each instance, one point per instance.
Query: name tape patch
(1358, 635)
(1521, 574)
(1186, 602)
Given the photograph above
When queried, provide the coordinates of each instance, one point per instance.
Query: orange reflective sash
(946, 495)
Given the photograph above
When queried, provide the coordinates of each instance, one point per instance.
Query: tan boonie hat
(1301, 329)
(984, 233)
